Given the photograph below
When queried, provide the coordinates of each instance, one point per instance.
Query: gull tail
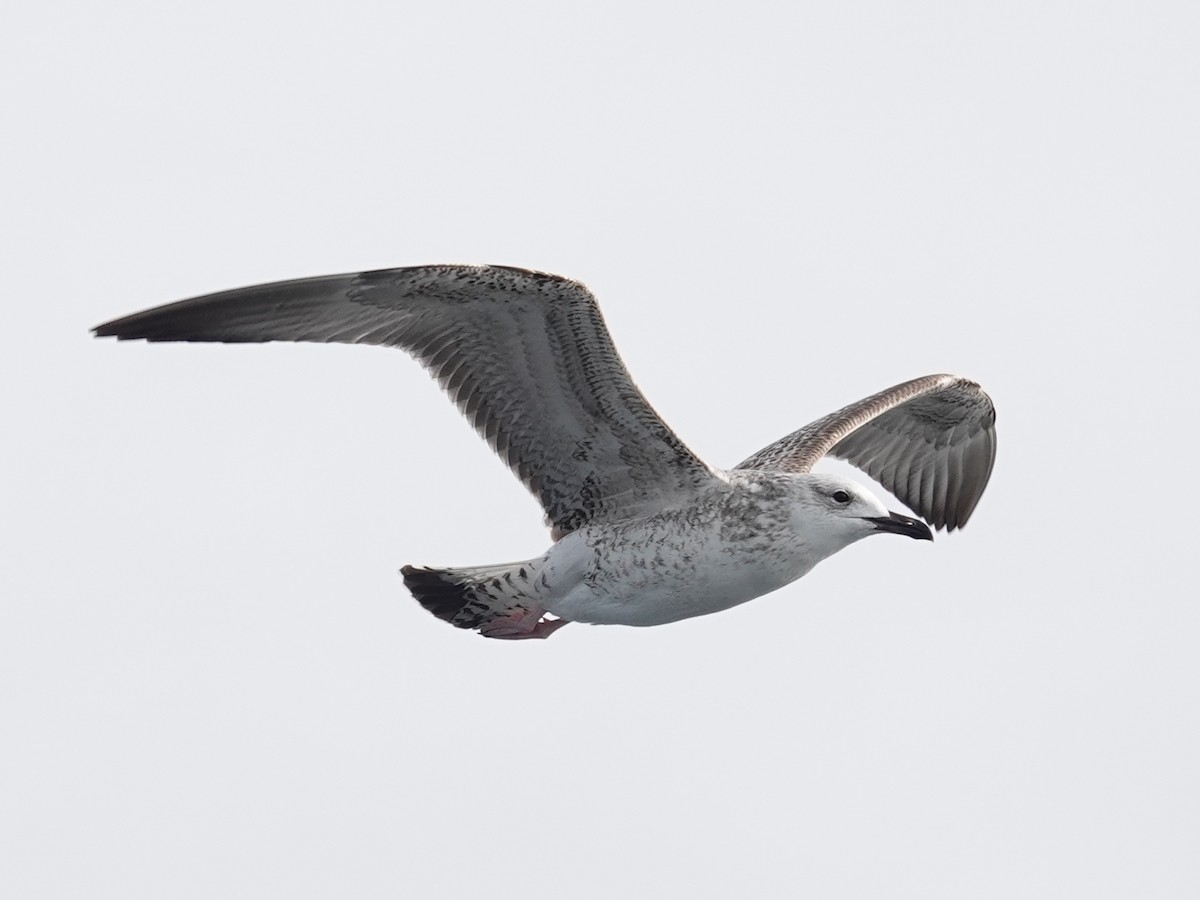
(477, 596)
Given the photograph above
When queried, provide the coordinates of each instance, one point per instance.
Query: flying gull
(644, 531)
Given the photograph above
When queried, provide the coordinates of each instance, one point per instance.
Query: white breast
(660, 570)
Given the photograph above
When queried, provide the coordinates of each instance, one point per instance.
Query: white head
(831, 512)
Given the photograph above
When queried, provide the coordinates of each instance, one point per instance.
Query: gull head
(831, 512)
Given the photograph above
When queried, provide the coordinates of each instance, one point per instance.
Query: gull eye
(841, 496)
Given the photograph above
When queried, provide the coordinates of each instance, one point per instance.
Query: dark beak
(898, 524)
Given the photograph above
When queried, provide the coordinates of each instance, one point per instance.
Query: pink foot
(521, 625)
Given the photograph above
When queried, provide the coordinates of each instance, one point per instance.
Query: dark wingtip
(107, 330)
(126, 328)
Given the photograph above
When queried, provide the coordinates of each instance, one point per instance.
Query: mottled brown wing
(525, 355)
(930, 441)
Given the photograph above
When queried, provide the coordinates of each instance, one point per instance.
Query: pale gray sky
(212, 680)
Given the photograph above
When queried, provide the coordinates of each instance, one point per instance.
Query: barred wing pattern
(525, 355)
(930, 441)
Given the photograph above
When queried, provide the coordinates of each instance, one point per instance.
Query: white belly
(650, 574)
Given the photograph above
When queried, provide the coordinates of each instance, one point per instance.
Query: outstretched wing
(930, 441)
(525, 355)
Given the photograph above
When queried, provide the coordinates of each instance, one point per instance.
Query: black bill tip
(898, 524)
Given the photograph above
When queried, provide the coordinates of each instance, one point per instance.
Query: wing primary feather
(954, 467)
(945, 477)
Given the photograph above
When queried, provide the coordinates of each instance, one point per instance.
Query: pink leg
(521, 625)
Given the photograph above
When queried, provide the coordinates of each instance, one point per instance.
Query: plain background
(212, 682)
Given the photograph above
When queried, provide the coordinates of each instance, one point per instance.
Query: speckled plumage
(733, 542)
(644, 531)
